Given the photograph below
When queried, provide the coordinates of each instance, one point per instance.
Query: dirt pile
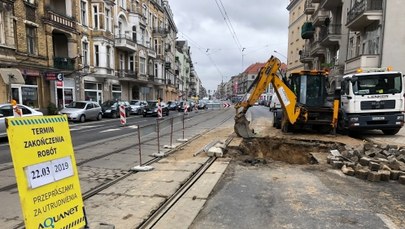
(293, 151)
(373, 162)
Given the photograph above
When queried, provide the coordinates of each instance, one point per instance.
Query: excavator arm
(267, 75)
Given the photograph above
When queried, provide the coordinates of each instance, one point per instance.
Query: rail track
(172, 200)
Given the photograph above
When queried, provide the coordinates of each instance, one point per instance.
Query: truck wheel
(390, 131)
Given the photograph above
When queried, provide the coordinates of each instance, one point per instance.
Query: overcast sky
(259, 28)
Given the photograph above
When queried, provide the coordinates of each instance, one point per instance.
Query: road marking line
(387, 221)
(133, 126)
(110, 130)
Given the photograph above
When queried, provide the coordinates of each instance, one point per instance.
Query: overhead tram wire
(206, 52)
(228, 23)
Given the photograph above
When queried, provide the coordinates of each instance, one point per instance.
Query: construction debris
(373, 163)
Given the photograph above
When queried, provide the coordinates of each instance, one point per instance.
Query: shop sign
(54, 76)
(30, 72)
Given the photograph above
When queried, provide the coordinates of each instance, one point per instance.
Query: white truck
(372, 99)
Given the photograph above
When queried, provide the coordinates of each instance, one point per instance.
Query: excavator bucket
(241, 126)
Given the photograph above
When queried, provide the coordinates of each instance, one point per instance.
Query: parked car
(172, 105)
(152, 109)
(202, 106)
(190, 106)
(111, 108)
(6, 111)
(80, 111)
(137, 106)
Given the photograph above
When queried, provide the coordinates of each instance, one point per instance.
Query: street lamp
(275, 51)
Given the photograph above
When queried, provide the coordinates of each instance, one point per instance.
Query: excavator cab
(309, 87)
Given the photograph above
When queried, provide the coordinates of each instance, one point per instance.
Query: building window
(91, 90)
(116, 91)
(96, 55)
(83, 10)
(85, 51)
(2, 28)
(108, 59)
(31, 39)
(120, 29)
(121, 3)
(142, 36)
(122, 65)
(134, 33)
(108, 19)
(351, 48)
(142, 65)
(131, 63)
(95, 17)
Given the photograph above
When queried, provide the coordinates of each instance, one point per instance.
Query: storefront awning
(11, 75)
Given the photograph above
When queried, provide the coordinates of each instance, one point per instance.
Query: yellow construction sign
(46, 173)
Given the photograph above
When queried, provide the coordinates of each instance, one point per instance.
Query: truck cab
(372, 100)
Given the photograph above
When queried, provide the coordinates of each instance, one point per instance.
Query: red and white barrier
(16, 111)
(159, 111)
(226, 105)
(123, 117)
(185, 108)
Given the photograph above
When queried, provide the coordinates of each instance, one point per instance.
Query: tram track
(173, 199)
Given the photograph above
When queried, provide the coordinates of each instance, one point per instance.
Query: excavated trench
(292, 151)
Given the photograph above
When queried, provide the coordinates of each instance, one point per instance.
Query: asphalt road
(90, 131)
(280, 195)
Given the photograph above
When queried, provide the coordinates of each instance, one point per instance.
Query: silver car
(6, 111)
(137, 106)
(80, 111)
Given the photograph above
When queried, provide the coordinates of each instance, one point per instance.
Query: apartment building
(189, 84)
(58, 51)
(345, 35)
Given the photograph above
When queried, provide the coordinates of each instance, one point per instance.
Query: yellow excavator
(303, 99)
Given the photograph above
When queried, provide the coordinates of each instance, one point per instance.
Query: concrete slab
(203, 187)
(122, 211)
(7, 177)
(182, 214)
(179, 165)
(235, 142)
(13, 215)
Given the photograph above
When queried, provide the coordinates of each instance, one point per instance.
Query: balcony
(64, 63)
(363, 13)
(319, 17)
(60, 21)
(126, 74)
(330, 35)
(305, 56)
(309, 7)
(362, 61)
(330, 4)
(160, 31)
(317, 49)
(125, 42)
(152, 78)
(152, 53)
